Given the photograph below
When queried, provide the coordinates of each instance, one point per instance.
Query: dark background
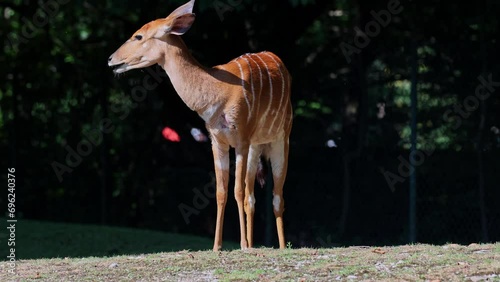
(55, 88)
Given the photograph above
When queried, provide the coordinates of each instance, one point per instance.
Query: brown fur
(245, 104)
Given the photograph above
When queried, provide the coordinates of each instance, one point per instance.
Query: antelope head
(145, 47)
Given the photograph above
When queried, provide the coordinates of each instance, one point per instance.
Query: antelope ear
(182, 10)
(182, 24)
(177, 26)
(178, 22)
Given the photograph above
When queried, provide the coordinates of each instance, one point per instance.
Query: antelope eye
(138, 37)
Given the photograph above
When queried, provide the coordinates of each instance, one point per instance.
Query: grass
(38, 239)
(451, 262)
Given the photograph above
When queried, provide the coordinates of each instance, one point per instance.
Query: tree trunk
(354, 123)
(413, 139)
(104, 160)
(480, 138)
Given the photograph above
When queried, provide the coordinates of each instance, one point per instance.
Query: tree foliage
(56, 91)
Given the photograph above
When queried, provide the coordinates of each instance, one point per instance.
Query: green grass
(476, 262)
(87, 253)
(38, 239)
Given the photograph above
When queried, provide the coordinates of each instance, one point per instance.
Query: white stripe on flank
(286, 105)
(243, 84)
(250, 111)
(284, 117)
(270, 89)
(282, 93)
(261, 85)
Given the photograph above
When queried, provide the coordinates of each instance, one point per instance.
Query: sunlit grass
(450, 262)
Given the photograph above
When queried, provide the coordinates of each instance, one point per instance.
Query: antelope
(245, 105)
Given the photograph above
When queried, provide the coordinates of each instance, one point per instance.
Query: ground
(476, 262)
(73, 252)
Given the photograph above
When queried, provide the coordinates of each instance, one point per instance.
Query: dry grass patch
(476, 262)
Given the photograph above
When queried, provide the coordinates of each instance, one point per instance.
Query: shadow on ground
(38, 239)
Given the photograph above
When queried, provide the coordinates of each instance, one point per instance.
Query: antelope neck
(189, 78)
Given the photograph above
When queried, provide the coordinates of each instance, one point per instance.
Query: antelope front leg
(221, 161)
(239, 193)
